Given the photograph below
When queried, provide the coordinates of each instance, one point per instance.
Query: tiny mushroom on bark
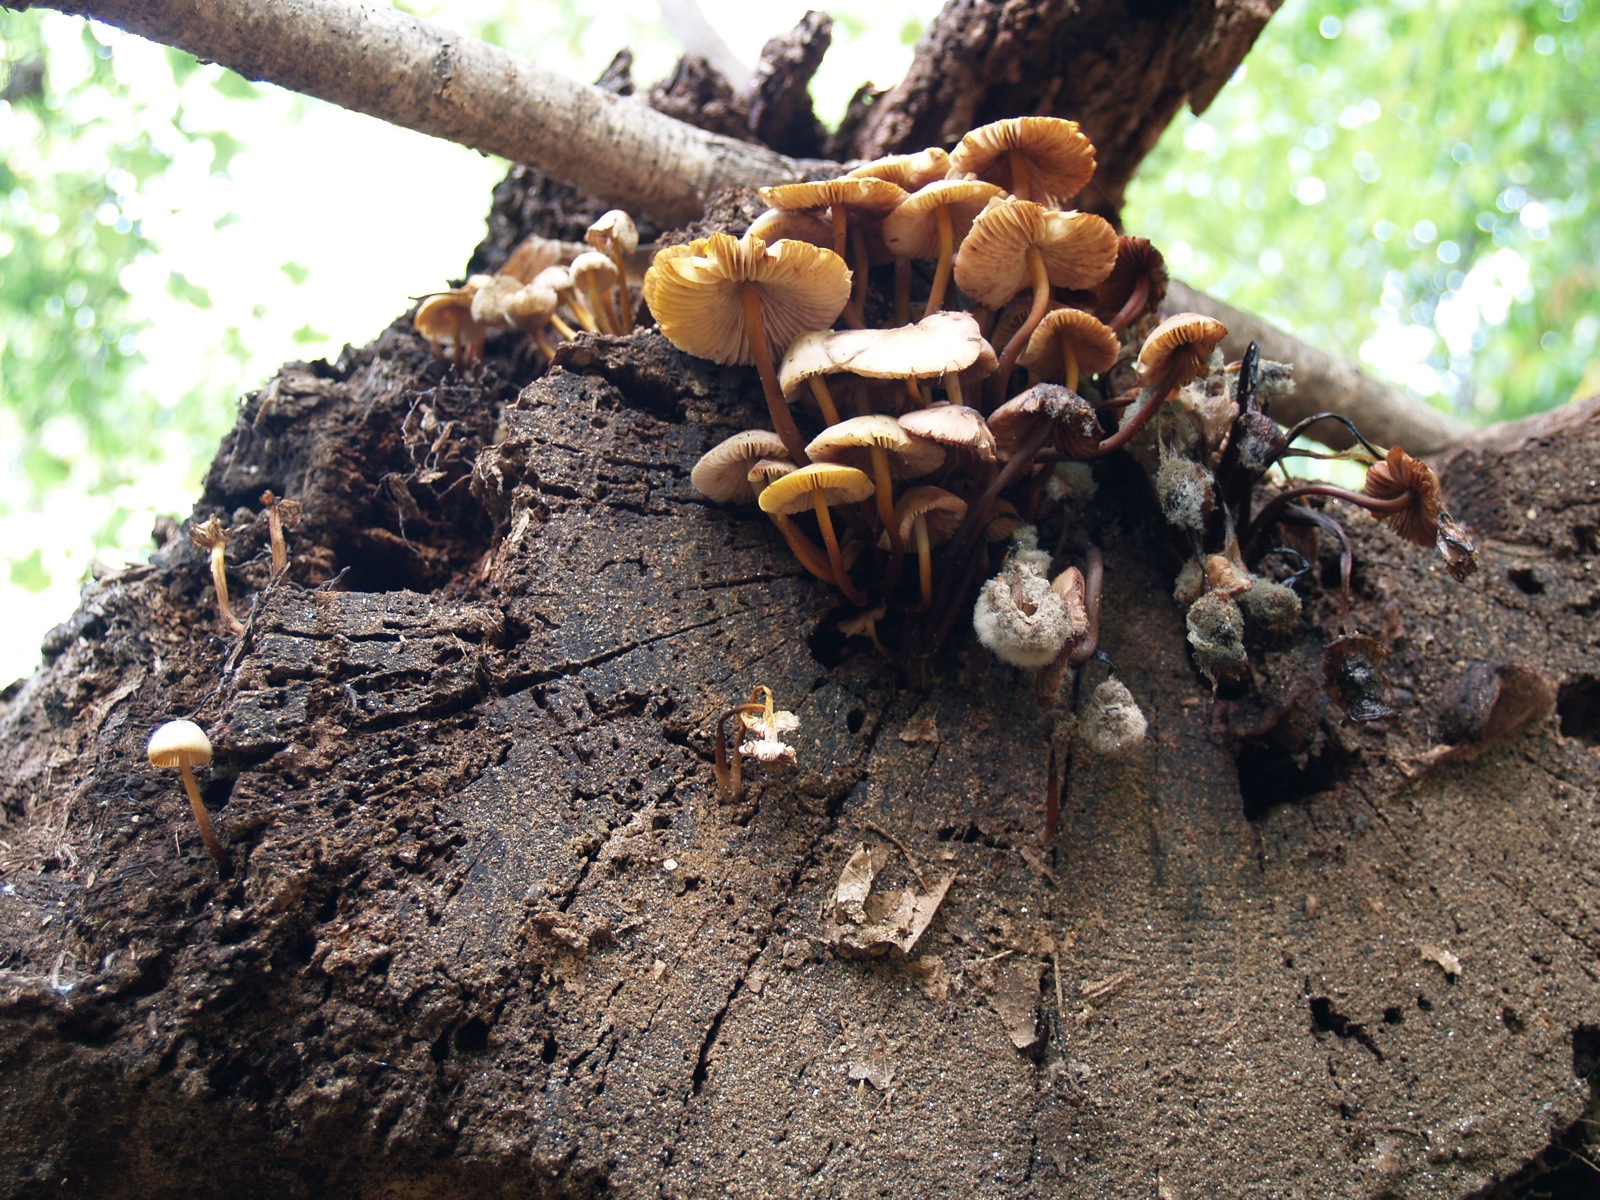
(596, 274)
(927, 516)
(445, 321)
(814, 488)
(616, 235)
(862, 198)
(878, 442)
(183, 744)
(738, 470)
(213, 538)
(953, 426)
(1177, 350)
(1137, 284)
(733, 300)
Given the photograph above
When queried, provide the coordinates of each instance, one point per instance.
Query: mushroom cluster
(544, 290)
(1009, 337)
(907, 447)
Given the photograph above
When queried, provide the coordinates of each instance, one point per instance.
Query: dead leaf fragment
(1448, 963)
(864, 924)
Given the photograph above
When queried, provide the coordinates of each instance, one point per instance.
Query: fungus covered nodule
(1019, 618)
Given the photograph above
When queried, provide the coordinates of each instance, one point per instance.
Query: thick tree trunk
(490, 931)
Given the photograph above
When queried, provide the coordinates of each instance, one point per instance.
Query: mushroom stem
(919, 532)
(884, 493)
(1269, 511)
(597, 305)
(952, 387)
(1069, 363)
(565, 330)
(1133, 306)
(729, 781)
(201, 817)
(947, 254)
(1299, 427)
(808, 552)
(1094, 579)
(1020, 181)
(1019, 340)
(824, 399)
(858, 301)
(777, 407)
(1160, 389)
(841, 577)
(219, 578)
(580, 310)
(625, 304)
(902, 290)
(543, 343)
(280, 551)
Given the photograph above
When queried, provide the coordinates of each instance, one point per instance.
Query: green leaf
(298, 273)
(180, 287)
(28, 573)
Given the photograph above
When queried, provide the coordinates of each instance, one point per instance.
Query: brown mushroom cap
(794, 492)
(1078, 249)
(532, 255)
(764, 470)
(1397, 476)
(595, 265)
(505, 302)
(941, 512)
(1078, 431)
(912, 230)
(1059, 158)
(953, 425)
(1182, 344)
(776, 224)
(908, 171)
(1137, 260)
(179, 742)
(613, 233)
(1094, 344)
(723, 472)
(694, 290)
(853, 441)
(938, 344)
(446, 320)
(858, 194)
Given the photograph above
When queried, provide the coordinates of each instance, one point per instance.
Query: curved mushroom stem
(1133, 307)
(1019, 340)
(777, 408)
(808, 552)
(824, 399)
(1269, 511)
(543, 344)
(219, 578)
(625, 303)
(947, 254)
(1299, 427)
(919, 533)
(729, 781)
(561, 327)
(841, 576)
(201, 817)
(1160, 389)
(1094, 579)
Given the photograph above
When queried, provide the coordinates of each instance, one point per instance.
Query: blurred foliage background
(1410, 183)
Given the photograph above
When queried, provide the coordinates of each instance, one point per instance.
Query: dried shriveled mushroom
(213, 538)
(615, 234)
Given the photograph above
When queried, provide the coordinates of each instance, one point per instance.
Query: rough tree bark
(489, 931)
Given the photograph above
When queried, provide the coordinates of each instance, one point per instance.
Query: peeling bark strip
(382, 62)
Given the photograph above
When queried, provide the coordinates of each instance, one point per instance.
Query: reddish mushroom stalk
(777, 409)
(1271, 510)
(1041, 305)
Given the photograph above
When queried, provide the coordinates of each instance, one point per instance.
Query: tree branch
(380, 61)
(1323, 382)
